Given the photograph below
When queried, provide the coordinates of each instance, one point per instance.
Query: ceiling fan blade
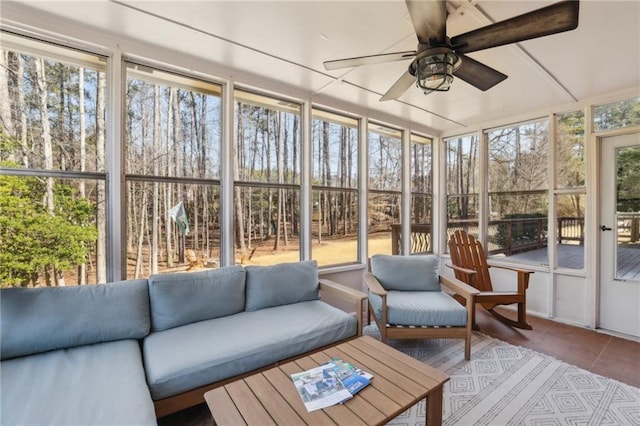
(399, 87)
(368, 60)
(478, 74)
(429, 20)
(557, 18)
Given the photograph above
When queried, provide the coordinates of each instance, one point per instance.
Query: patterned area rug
(511, 385)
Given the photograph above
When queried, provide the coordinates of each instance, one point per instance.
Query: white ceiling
(285, 42)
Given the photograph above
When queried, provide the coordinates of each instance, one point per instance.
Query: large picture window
(385, 188)
(266, 173)
(421, 194)
(463, 186)
(518, 192)
(334, 224)
(172, 163)
(570, 193)
(52, 163)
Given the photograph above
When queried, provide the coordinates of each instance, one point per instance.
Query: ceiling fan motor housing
(433, 68)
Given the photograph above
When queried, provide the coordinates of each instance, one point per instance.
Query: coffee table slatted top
(270, 398)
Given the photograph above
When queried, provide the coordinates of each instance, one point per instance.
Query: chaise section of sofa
(71, 355)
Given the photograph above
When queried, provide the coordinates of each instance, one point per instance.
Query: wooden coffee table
(270, 398)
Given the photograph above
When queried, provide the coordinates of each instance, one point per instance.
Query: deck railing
(511, 236)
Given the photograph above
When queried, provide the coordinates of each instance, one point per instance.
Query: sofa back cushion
(186, 297)
(281, 284)
(34, 320)
(406, 273)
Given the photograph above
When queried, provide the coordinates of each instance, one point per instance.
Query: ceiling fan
(438, 58)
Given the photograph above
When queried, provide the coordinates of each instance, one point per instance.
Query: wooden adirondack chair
(470, 266)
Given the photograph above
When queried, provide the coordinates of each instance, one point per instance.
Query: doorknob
(605, 228)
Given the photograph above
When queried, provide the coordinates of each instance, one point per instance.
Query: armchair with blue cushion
(407, 300)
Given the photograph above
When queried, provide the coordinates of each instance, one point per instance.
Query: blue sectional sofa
(131, 351)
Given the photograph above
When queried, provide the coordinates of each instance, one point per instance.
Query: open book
(329, 384)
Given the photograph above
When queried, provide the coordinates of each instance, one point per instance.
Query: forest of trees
(54, 172)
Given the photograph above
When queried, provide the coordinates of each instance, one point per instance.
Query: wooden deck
(572, 257)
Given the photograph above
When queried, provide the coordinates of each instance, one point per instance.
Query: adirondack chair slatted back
(467, 253)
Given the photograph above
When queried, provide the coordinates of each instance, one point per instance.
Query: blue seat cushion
(194, 355)
(406, 273)
(100, 384)
(420, 308)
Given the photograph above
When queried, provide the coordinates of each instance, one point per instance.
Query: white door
(620, 234)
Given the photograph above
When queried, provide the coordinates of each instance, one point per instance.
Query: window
(334, 224)
(570, 190)
(421, 194)
(617, 115)
(52, 158)
(385, 189)
(172, 162)
(518, 196)
(463, 187)
(266, 179)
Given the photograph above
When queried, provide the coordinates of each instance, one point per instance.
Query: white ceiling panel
(282, 45)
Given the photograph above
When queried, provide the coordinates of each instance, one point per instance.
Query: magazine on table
(320, 387)
(353, 378)
(331, 383)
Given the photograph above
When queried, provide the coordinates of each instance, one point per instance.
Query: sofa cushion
(428, 308)
(101, 384)
(41, 319)
(406, 273)
(281, 284)
(194, 355)
(186, 297)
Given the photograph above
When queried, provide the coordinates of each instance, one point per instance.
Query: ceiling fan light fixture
(434, 73)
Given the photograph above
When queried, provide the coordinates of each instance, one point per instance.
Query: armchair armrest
(351, 295)
(374, 285)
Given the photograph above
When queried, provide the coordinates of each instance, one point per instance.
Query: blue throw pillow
(34, 320)
(186, 297)
(406, 273)
(281, 284)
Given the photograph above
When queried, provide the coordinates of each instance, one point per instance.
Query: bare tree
(156, 169)
(101, 196)
(5, 100)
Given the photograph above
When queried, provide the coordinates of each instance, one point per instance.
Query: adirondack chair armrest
(374, 285)
(511, 268)
(523, 276)
(469, 272)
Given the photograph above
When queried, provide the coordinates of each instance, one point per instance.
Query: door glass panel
(628, 213)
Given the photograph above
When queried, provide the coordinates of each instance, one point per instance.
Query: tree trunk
(157, 143)
(5, 100)
(237, 162)
(82, 269)
(139, 269)
(47, 148)
(23, 113)
(101, 196)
